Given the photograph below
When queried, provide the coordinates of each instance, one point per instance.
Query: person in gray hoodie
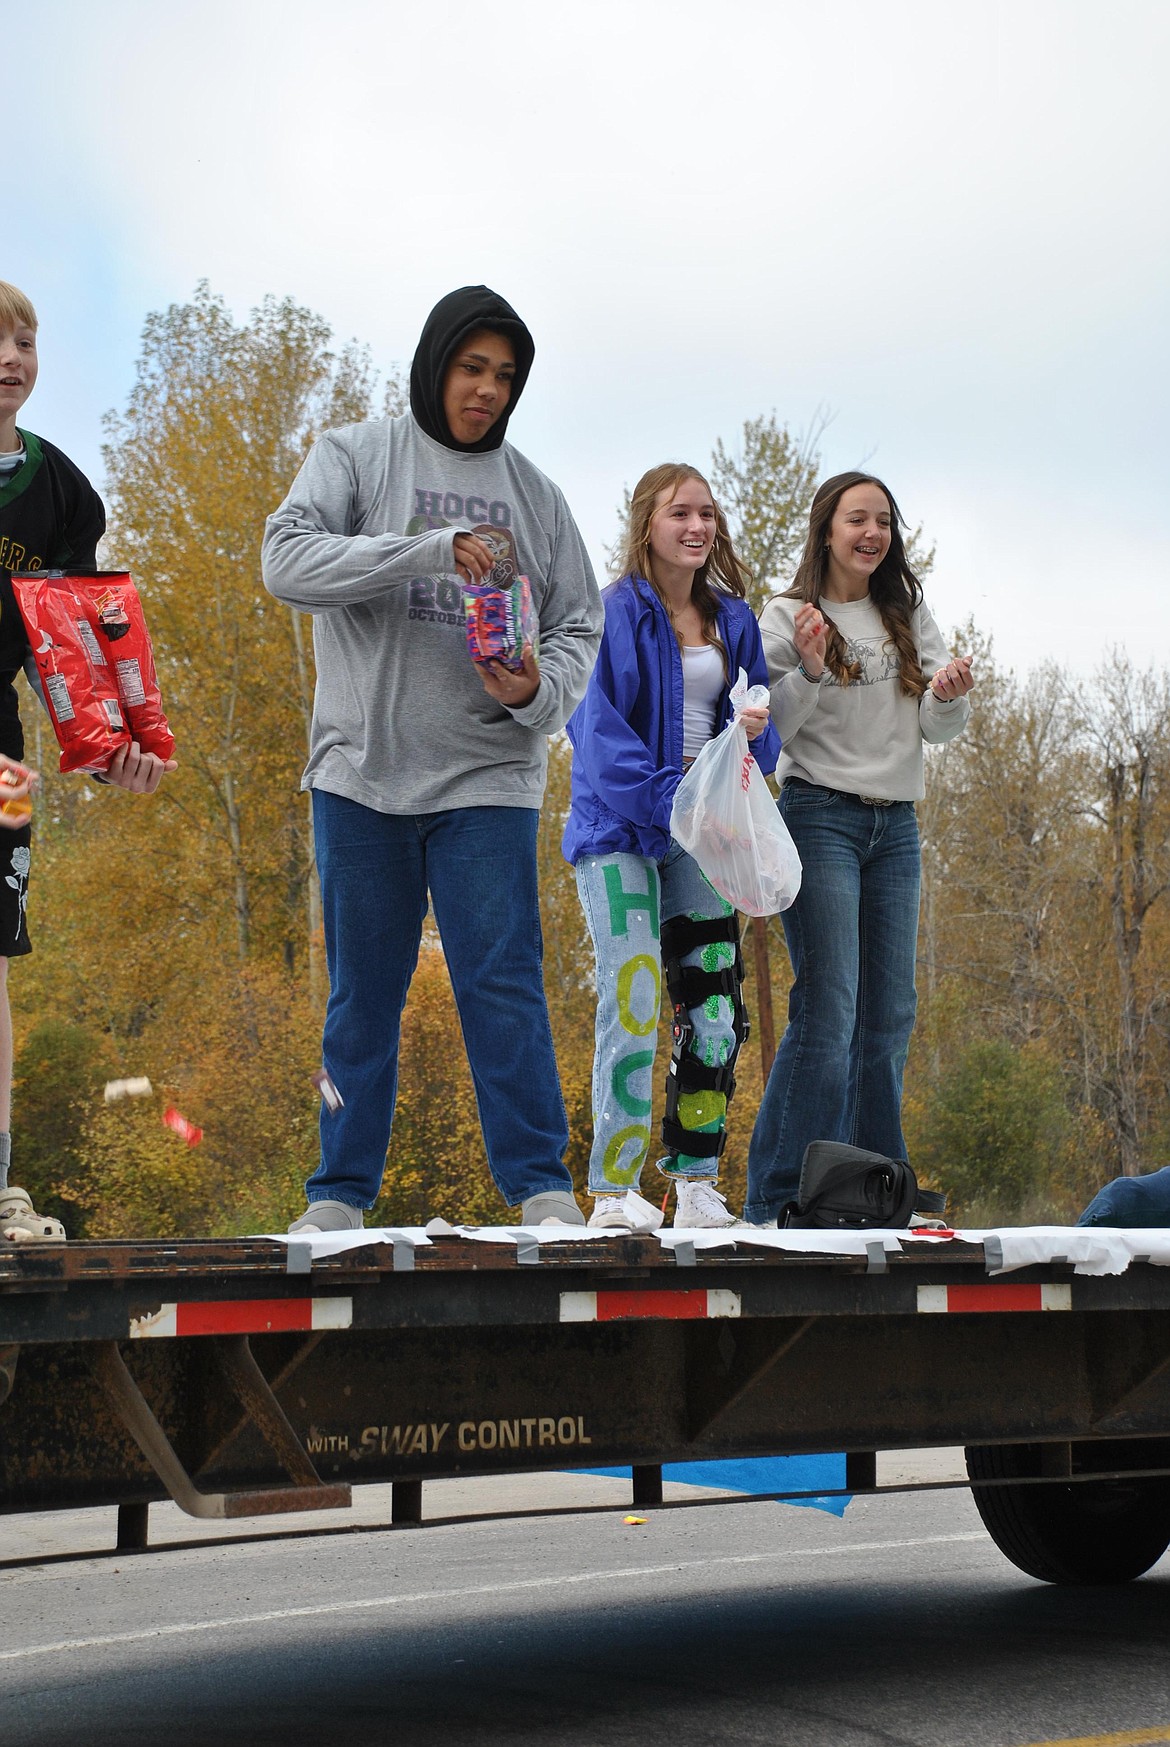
(427, 770)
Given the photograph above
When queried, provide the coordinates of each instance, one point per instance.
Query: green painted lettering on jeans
(622, 902)
(625, 988)
(623, 1070)
(612, 1169)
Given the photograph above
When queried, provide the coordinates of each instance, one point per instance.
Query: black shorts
(14, 869)
(14, 845)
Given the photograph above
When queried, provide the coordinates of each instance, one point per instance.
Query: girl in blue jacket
(677, 631)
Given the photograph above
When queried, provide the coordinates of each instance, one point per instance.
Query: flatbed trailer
(246, 1377)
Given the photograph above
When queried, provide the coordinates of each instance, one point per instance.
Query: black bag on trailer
(847, 1188)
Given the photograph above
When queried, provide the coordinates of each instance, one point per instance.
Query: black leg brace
(689, 986)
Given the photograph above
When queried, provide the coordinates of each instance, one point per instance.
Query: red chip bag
(79, 684)
(125, 640)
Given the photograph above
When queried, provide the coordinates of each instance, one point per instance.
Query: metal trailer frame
(241, 1378)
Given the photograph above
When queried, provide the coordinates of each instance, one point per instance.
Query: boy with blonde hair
(51, 518)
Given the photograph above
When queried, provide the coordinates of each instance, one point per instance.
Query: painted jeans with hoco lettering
(625, 899)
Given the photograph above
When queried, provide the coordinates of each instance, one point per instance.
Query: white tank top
(703, 685)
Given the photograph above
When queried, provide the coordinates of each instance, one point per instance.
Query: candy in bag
(501, 617)
(125, 640)
(724, 816)
(78, 682)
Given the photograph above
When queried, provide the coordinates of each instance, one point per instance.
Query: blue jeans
(625, 898)
(852, 936)
(479, 866)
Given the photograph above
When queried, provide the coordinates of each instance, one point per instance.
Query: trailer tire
(1104, 1531)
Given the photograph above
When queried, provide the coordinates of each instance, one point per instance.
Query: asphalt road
(898, 1623)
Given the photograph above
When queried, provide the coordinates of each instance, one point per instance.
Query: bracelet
(812, 678)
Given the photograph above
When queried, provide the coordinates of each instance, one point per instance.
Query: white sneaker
(21, 1224)
(700, 1204)
(628, 1212)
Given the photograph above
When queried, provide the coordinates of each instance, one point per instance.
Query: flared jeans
(852, 937)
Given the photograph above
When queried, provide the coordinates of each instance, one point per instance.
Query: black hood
(454, 317)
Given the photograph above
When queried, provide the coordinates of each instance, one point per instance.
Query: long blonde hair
(722, 570)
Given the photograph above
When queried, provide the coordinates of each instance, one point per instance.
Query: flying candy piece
(633, 1520)
(328, 1092)
(137, 1088)
(185, 1130)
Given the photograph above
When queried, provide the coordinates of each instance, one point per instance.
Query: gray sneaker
(553, 1207)
(322, 1216)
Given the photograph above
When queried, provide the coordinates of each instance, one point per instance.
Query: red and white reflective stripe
(688, 1305)
(995, 1295)
(243, 1316)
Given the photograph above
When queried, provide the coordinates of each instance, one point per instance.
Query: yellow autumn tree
(219, 420)
(180, 935)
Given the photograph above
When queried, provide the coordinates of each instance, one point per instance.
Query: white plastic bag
(725, 817)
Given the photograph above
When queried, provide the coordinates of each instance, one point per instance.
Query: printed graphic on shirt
(50, 515)
(438, 600)
(440, 509)
(15, 556)
(20, 863)
(878, 662)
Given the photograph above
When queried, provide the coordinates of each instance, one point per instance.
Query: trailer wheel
(1105, 1531)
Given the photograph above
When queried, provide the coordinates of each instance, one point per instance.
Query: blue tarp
(755, 1474)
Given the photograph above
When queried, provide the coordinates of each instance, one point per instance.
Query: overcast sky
(944, 223)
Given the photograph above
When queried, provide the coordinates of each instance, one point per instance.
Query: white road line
(324, 1610)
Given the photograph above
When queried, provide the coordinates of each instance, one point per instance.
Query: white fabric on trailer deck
(1093, 1249)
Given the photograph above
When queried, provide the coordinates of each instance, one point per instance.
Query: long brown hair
(722, 569)
(893, 587)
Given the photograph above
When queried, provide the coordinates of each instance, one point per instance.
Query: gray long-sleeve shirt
(364, 542)
(865, 738)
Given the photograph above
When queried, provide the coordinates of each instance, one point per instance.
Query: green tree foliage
(57, 1079)
(217, 424)
(233, 1053)
(1044, 919)
(993, 1130)
(1125, 727)
(765, 489)
(181, 934)
(180, 937)
(1004, 847)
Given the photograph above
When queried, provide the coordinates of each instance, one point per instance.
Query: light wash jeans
(479, 866)
(852, 936)
(624, 897)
